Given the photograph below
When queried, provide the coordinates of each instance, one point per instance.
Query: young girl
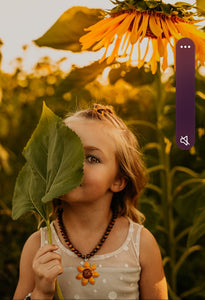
(100, 249)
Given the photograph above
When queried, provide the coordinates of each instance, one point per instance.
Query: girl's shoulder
(149, 249)
(31, 246)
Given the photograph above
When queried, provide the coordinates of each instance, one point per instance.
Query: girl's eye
(92, 159)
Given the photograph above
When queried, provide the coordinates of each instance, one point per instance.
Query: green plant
(54, 166)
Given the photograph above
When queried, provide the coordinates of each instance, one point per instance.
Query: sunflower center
(87, 273)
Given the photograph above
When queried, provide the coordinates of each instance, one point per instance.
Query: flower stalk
(58, 289)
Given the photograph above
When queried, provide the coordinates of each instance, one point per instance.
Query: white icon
(185, 46)
(184, 140)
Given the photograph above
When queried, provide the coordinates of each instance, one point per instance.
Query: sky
(22, 21)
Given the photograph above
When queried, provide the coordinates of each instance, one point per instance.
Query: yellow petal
(130, 55)
(84, 281)
(105, 24)
(164, 63)
(93, 267)
(96, 274)
(145, 54)
(144, 24)
(86, 264)
(125, 40)
(139, 50)
(80, 269)
(105, 53)
(165, 30)
(79, 276)
(172, 28)
(115, 51)
(124, 26)
(134, 34)
(91, 280)
(190, 29)
(154, 26)
(160, 47)
(128, 43)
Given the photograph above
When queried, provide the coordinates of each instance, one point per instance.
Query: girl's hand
(46, 266)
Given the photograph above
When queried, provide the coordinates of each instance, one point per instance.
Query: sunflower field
(135, 76)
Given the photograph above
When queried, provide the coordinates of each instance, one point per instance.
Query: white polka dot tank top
(119, 270)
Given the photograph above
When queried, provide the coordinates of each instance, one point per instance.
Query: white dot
(95, 291)
(185, 46)
(104, 280)
(181, 46)
(126, 265)
(112, 295)
(76, 297)
(46, 242)
(126, 248)
(131, 229)
(100, 266)
(189, 46)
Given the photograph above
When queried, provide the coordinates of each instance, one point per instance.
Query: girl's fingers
(48, 257)
(50, 270)
(45, 249)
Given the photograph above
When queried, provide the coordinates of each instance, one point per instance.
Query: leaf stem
(58, 290)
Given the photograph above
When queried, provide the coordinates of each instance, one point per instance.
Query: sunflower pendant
(87, 273)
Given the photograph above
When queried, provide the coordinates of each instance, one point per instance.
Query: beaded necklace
(87, 273)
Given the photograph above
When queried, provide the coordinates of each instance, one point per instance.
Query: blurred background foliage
(173, 201)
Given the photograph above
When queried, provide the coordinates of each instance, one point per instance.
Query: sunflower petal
(164, 62)
(134, 34)
(93, 267)
(80, 269)
(115, 51)
(154, 26)
(160, 47)
(84, 281)
(144, 24)
(96, 274)
(86, 264)
(124, 26)
(79, 276)
(91, 280)
(145, 54)
(172, 29)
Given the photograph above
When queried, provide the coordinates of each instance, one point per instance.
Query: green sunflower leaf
(65, 32)
(54, 166)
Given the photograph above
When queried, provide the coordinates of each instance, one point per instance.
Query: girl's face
(101, 174)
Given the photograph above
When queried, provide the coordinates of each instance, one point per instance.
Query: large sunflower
(132, 21)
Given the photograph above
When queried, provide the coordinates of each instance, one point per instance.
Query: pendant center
(87, 273)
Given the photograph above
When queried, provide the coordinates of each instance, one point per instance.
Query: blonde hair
(128, 157)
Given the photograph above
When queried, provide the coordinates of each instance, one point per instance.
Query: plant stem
(58, 290)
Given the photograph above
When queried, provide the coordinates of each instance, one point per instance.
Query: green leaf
(23, 200)
(67, 30)
(54, 165)
(198, 229)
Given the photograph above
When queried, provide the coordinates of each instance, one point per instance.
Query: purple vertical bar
(185, 93)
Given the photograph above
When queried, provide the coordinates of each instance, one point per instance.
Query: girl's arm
(153, 284)
(39, 268)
